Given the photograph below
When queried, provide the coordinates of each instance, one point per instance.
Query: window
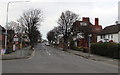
(97, 29)
(111, 35)
(83, 24)
(101, 37)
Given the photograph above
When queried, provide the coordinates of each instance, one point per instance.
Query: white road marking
(46, 51)
(33, 54)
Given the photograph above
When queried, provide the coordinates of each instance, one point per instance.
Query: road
(47, 59)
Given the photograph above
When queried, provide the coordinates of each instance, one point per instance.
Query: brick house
(2, 37)
(110, 33)
(81, 30)
(10, 36)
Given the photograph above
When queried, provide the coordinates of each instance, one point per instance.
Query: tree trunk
(65, 45)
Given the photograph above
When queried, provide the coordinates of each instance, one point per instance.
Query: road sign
(15, 36)
(15, 39)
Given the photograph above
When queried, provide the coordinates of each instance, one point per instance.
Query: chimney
(96, 21)
(86, 19)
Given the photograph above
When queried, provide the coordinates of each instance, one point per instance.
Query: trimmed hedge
(110, 49)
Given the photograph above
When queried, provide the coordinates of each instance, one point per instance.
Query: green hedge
(111, 50)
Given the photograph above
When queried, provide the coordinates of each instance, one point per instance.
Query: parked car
(47, 44)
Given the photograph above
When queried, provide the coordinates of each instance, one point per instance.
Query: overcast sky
(105, 10)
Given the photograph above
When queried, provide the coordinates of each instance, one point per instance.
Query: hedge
(110, 49)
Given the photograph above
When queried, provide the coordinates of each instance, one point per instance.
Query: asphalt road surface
(47, 59)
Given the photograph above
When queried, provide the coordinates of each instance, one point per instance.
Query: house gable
(83, 28)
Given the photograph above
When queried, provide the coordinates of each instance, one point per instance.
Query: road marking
(33, 54)
(46, 50)
(48, 53)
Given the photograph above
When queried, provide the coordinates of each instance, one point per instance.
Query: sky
(105, 10)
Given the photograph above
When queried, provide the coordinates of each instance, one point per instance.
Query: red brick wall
(2, 41)
(86, 19)
(60, 45)
(82, 43)
(0, 37)
(96, 21)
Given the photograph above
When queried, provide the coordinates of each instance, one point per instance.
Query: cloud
(105, 10)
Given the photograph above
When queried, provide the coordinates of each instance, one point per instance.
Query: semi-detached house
(110, 33)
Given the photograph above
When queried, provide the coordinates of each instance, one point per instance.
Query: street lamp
(7, 19)
(89, 44)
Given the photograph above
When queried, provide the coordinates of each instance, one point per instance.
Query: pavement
(93, 57)
(18, 54)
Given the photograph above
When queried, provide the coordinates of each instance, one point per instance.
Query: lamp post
(7, 19)
(89, 44)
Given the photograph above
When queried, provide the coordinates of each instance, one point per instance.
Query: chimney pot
(86, 19)
(96, 21)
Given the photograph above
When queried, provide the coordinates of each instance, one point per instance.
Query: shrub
(106, 49)
(72, 44)
(77, 48)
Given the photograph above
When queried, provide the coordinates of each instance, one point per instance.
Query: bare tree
(66, 21)
(39, 36)
(15, 26)
(51, 36)
(12, 25)
(30, 20)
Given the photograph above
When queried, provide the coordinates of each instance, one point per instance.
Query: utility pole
(6, 33)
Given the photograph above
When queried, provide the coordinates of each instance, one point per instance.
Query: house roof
(89, 27)
(110, 29)
(2, 28)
